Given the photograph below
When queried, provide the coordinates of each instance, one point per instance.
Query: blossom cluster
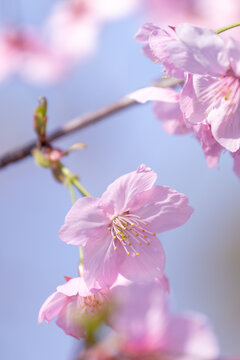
(208, 103)
(71, 31)
(123, 272)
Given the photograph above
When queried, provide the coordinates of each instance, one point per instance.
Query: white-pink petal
(84, 221)
(198, 50)
(122, 191)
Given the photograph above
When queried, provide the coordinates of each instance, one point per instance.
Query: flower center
(93, 303)
(226, 89)
(130, 232)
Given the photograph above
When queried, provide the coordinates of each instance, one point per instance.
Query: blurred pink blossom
(71, 301)
(143, 318)
(119, 229)
(23, 53)
(73, 26)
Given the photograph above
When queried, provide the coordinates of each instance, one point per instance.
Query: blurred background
(203, 256)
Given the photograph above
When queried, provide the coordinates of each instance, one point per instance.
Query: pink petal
(236, 164)
(140, 315)
(101, 262)
(162, 208)
(172, 118)
(68, 319)
(84, 221)
(234, 55)
(198, 51)
(149, 264)
(73, 287)
(122, 190)
(155, 94)
(211, 148)
(51, 307)
(159, 41)
(144, 33)
(226, 127)
(191, 336)
(192, 108)
(212, 154)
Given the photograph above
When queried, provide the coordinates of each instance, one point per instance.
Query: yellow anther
(129, 244)
(137, 234)
(124, 237)
(137, 253)
(145, 236)
(128, 253)
(139, 243)
(140, 218)
(114, 237)
(115, 248)
(143, 230)
(154, 234)
(148, 243)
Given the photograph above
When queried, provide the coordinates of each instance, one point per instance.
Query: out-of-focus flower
(74, 25)
(151, 331)
(25, 54)
(119, 230)
(72, 303)
(72, 30)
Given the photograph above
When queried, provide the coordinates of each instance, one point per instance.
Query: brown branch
(77, 124)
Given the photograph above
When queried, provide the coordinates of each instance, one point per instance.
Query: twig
(77, 124)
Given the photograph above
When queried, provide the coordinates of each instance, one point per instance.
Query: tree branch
(78, 123)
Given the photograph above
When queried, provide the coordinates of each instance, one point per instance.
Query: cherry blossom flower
(119, 229)
(149, 328)
(72, 301)
(23, 53)
(211, 92)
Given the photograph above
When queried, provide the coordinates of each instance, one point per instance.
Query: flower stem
(82, 190)
(72, 192)
(71, 178)
(225, 28)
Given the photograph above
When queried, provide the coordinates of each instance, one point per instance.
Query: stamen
(123, 229)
